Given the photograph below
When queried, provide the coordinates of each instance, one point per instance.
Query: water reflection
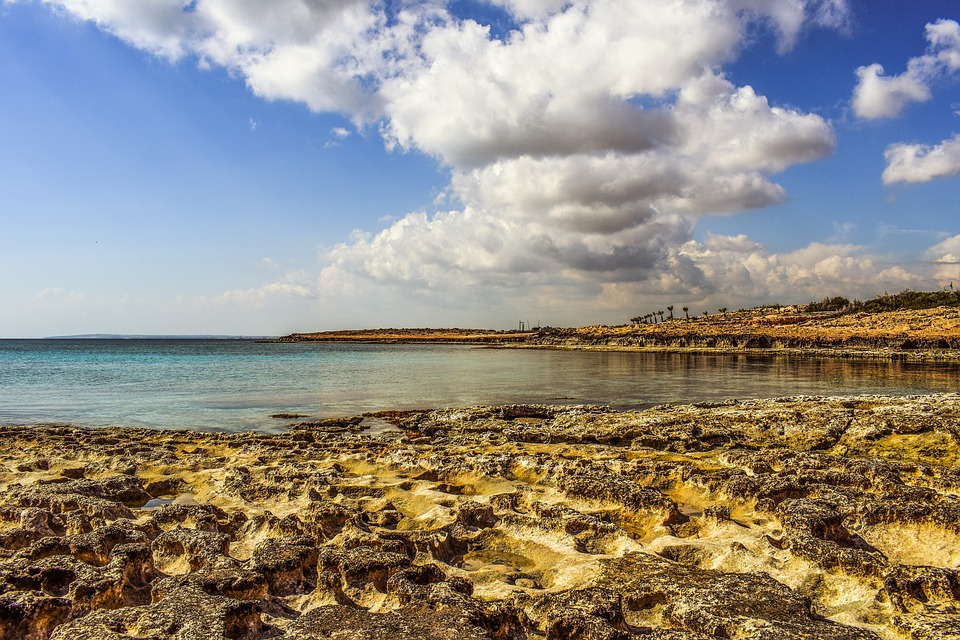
(632, 379)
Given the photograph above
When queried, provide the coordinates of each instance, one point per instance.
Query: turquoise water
(237, 384)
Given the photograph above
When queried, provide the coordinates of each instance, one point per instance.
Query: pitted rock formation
(833, 518)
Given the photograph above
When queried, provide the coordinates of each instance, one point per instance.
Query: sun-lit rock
(834, 518)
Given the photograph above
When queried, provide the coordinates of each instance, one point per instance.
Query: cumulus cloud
(880, 96)
(922, 163)
(304, 50)
(573, 175)
(743, 270)
(582, 144)
(720, 270)
(946, 257)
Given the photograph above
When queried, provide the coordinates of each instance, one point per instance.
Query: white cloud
(291, 285)
(337, 136)
(946, 256)
(257, 296)
(304, 50)
(747, 271)
(922, 163)
(582, 145)
(730, 271)
(610, 208)
(880, 96)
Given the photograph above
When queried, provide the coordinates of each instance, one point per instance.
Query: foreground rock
(790, 518)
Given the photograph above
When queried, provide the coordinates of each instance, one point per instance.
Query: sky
(259, 168)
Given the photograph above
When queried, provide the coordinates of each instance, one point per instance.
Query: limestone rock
(833, 518)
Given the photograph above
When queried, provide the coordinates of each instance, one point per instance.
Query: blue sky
(261, 168)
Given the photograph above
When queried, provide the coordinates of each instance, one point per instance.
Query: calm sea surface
(237, 384)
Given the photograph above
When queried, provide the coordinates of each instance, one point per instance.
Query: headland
(922, 334)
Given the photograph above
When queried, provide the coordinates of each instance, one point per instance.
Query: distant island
(908, 325)
(127, 336)
(381, 336)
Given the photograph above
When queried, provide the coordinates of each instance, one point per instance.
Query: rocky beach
(797, 517)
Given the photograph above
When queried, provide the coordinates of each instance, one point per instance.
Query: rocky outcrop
(835, 518)
(927, 334)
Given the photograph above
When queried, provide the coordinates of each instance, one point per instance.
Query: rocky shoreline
(916, 335)
(831, 518)
(922, 335)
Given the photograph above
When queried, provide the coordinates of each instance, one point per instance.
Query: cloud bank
(583, 144)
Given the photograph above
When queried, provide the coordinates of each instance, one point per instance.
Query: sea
(238, 385)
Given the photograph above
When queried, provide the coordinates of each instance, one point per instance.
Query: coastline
(801, 517)
(412, 336)
(927, 335)
(888, 354)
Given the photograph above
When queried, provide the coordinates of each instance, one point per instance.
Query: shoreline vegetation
(833, 327)
(806, 517)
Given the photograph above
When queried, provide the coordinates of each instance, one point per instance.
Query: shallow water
(237, 384)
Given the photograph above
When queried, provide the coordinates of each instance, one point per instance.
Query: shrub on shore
(906, 300)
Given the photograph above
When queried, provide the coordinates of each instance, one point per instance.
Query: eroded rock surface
(833, 518)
